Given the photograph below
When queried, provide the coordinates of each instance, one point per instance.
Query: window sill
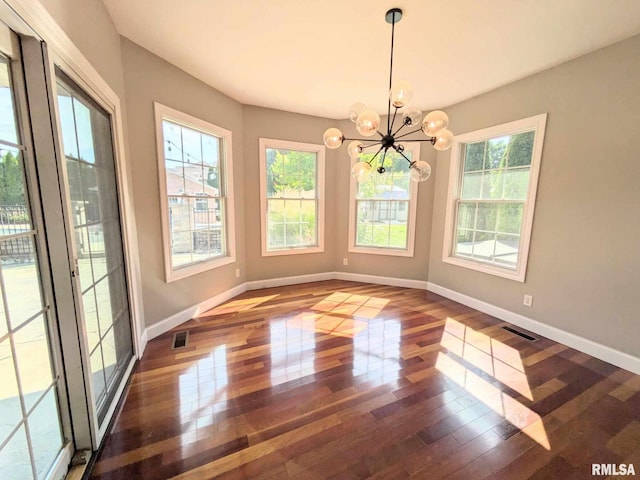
(394, 252)
(292, 251)
(171, 275)
(518, 275)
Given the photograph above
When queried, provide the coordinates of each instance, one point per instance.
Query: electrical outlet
(345, 261)
(528, 300)
(237, 272)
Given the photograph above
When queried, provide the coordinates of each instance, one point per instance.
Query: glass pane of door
(93, 199)
(30, 429)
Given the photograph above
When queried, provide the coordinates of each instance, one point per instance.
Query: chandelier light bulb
(444, 139)
(400, 94)
(367, 123)
(355, 149)
(434, 122)
(355, 110)
(361, 171)
(333, 138)
(420, 171)
(412, 116)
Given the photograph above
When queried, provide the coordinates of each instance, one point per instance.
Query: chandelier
(367, 121)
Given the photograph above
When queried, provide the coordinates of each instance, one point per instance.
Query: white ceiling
(320, 56)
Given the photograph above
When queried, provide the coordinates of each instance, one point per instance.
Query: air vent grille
(179, 340)
(521, 334)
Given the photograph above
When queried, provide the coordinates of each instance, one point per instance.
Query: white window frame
(162, 112)
(319, 150)
(535, 123)
(414, 149)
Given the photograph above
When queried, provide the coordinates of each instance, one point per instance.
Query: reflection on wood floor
(348, 380)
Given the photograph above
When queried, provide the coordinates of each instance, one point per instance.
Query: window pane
(521, 149)
(13, 461)
(44, 430)
(109, 355)
(487, 217)
(506, 252)
(91, 318)
(510, 217)
(21, 279)
(97, 374)
(103, 300)
(14, 213)
(471, 185)
(8, 127)
(211, 150)
(492, 184)
(9, 398)
(32, 357)
(172, 141)
(516, 183)
(191, 147)
(83, 131)
(67, 122)
(174, 172)
(275, 223)
(474, 156)
(496, 153)
(467, 215)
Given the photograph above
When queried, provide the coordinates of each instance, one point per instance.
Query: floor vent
(179, 340)
(522, 334)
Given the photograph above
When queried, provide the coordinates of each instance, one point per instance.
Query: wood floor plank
(345, 380)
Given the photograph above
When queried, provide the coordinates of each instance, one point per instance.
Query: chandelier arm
(409, 133)
(384, 156)
(371, 145)
(362, 140)
(393, 29)
(430, 140)
(374, 157)
(405, 157)
(399, 128)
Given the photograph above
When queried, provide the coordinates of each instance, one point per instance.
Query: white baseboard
(391, 281)
(607, 354)
(173, 321)
(279, 282)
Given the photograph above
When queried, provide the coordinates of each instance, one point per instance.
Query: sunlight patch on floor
(501, 362)
(238, 305)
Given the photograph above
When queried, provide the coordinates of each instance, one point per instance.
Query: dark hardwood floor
(344, 380)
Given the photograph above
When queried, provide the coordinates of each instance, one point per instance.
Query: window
(492, 190)
(382, 209)
(196, 188)
(291, 197)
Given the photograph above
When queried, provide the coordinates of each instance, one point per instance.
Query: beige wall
(150, 79)
(415, 268)
(279, 125)
(89, 26)
(584, 262)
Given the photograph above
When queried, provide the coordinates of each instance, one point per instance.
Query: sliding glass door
(97, 238)
(31, 434)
